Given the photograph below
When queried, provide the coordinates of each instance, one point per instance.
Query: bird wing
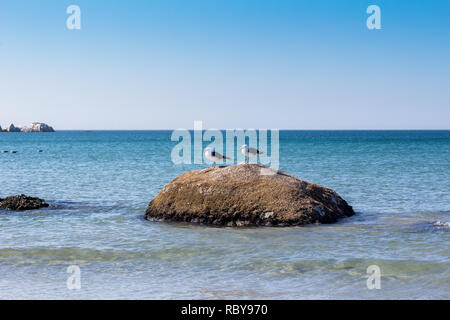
(218, 155)
(253, 150)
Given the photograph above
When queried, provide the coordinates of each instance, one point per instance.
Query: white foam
(441, 224)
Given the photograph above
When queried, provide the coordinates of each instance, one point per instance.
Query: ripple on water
(107, 179)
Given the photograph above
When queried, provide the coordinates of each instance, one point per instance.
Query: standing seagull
(249, 152)
(212, 155)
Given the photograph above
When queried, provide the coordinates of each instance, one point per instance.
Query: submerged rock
(246, 194)
(22, 202)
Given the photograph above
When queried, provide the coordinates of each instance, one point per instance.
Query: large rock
(245, 194)
(35, 127)
(41, 127)
(12, 128)
(22, 202)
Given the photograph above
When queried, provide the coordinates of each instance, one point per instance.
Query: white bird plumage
(249, 152)
(214, 156)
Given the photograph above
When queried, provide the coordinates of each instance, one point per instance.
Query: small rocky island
(34, 127)
(22, 202)
(246, 195)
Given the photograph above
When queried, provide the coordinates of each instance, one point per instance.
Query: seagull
(249, 152)
(212, 155)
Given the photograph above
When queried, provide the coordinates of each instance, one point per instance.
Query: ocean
(99, 184)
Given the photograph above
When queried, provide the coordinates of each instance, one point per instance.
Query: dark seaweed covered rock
(246, 194)
(22, 202)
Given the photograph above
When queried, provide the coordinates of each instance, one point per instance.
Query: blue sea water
(99, 184)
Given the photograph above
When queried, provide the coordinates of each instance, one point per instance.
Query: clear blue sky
(286, 64)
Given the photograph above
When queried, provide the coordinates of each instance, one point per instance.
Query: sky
(276, 64)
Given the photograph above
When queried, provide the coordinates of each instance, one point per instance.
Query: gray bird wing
(218, 155)
(253, 150)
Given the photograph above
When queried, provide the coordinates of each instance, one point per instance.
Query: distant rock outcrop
(22, 202)
(12, 128)
(41, 127)
(245, 194)
(35, 127)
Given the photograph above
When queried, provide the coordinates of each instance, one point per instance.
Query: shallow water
(99, 184)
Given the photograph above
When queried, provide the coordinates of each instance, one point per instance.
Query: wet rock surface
(22, 202)
(246, 195)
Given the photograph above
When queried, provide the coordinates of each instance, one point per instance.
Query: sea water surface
(99, 184)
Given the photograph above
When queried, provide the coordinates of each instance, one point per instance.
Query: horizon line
(290, 129)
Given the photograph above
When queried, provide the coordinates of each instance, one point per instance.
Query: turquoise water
(99, 184)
